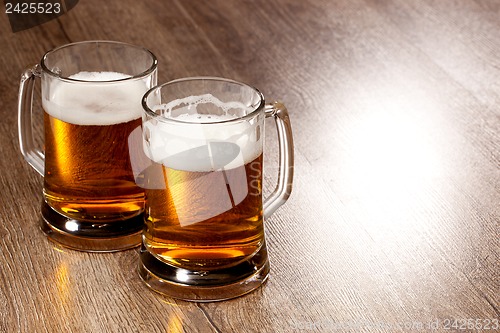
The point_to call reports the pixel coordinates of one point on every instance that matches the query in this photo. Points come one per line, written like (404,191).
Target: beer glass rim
(257,109)
(152,68)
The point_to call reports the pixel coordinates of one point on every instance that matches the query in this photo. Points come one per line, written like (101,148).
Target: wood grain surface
(393,223)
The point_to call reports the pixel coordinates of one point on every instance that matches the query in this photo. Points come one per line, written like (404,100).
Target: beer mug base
(204,286)
(91,236)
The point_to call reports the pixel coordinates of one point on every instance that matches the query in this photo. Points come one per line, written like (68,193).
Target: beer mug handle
(283,189)
(32,155)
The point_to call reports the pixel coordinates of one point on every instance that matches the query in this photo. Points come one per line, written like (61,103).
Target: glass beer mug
(91,97)
(204,235)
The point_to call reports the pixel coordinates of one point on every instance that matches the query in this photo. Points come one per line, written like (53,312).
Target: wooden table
(393,223)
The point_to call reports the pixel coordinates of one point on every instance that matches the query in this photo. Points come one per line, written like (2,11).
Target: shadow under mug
(204,233)
(91,97)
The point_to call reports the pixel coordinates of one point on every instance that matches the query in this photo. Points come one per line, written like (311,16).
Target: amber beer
(205,219)
(203,189)
(88,173)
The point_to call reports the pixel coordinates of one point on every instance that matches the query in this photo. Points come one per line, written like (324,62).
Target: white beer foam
(94,102)
(98,76)
(187,144)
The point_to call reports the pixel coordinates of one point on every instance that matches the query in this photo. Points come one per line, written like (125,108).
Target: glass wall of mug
(91,97)
(204,233)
